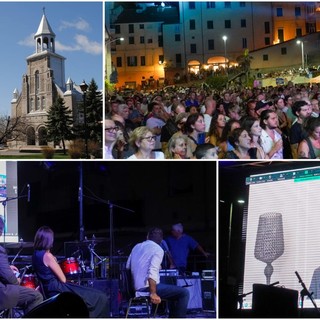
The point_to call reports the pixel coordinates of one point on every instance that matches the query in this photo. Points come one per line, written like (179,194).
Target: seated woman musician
(54,281)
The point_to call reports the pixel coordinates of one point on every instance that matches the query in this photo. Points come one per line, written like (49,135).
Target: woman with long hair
(309,148)
(53,280)
(217,124)
(252,126)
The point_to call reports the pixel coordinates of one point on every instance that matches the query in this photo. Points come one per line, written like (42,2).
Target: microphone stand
(240,299)
(306,293)
(183,275)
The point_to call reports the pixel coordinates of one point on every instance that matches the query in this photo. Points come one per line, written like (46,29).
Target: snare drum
(70,266)
(29,281)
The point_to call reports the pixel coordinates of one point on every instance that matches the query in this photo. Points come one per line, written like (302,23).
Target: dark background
(159,193)
(232,175)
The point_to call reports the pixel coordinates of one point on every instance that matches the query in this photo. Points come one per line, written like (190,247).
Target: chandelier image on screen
(269,244)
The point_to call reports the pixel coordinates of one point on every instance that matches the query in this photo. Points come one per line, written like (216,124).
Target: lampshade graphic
(269,242)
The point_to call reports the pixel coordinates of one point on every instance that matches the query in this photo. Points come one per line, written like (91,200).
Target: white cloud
(82,44)
(81,24)
(91,47)
(28,41)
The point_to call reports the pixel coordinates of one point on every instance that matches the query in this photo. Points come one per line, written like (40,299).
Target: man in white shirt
(271,139)
(211,106)
(145,263)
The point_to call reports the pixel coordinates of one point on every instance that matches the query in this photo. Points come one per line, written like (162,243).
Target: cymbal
(95,240)
(18,245)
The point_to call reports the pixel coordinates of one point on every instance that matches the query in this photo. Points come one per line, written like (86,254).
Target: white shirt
(145,262)
(157,155)
(207,120)
(267,143)
(108,152)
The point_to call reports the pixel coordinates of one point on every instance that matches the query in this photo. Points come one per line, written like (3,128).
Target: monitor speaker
(274,302)
(208,294)
(62,305)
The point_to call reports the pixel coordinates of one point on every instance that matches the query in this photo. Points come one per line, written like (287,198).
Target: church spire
(45,37)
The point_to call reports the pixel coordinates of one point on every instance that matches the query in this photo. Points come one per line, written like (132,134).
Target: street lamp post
(84,87)
(224,38)
(302,53)
(108,63)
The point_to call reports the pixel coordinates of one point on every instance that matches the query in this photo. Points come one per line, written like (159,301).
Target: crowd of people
(199,123)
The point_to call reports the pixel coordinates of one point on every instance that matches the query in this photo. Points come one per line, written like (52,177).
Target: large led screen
(283,232)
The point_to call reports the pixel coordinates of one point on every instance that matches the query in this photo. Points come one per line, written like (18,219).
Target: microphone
(298,276)
(28,186)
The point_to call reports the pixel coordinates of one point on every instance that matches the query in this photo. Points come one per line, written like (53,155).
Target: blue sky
(79,38)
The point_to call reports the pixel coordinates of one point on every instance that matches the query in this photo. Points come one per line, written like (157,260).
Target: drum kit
(76,269)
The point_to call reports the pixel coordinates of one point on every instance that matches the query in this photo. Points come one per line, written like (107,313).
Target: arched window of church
(31,137)
(43,104)
(38,45)
(31,104)
(37,81)
(45,43)
(42,134)
(38,105)
(52,45)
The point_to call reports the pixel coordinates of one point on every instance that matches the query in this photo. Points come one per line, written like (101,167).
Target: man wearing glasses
(110,137)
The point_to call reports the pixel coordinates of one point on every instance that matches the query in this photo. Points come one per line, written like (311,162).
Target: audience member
(309,147)
(241,142)
(206,151)
(143,141)
(271,139)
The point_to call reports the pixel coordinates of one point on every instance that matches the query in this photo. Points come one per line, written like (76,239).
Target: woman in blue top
(54,281)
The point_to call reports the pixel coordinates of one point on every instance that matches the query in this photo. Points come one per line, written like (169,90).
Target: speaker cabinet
(208,295)
(194,287)
(274,302)
(62,305)
(111,289)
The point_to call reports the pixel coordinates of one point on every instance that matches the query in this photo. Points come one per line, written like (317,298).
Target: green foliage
(59,123)
(109,87)
(94,111)
(217,82)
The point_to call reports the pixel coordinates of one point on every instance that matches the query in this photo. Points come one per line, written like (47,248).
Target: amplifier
(208,295)
(208,274)
(169,273)
(274,302)
(138,311)
(194,287)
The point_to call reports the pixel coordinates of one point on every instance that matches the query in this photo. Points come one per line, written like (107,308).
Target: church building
(42,84)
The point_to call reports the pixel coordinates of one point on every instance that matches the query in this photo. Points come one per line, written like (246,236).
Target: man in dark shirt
(301,109)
